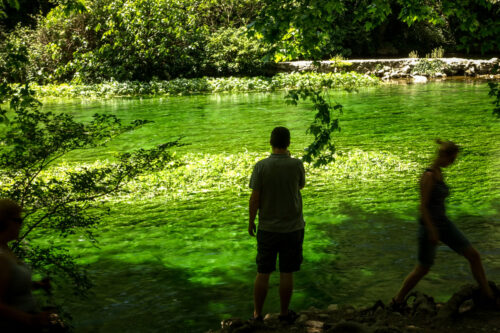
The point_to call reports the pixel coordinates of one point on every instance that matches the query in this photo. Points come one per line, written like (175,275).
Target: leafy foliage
(321,151)
(339,62)
(312,29)
(429,67)
(13,58)
(315,29)
(230,51)
(207,85)
(68,203)
(142,40)
(230,13)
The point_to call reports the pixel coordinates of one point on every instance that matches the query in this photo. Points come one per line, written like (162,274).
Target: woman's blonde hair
(447,148)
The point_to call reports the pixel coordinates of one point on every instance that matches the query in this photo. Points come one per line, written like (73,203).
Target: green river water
(174,254)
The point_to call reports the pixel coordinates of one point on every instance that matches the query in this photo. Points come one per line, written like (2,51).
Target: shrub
(339,62)
(438,52)
(230,51)
(429,67)
(413,54)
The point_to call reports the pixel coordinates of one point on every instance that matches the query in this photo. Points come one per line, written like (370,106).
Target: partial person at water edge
(18,308)
(276,182)
(435,227)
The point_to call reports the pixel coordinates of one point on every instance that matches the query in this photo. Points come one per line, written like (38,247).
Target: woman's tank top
(437,198)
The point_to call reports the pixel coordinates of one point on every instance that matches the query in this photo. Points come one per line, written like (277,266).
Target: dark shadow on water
(151,297)
(365,259)
(375,251)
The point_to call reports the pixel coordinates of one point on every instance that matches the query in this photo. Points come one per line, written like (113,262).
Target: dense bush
(14,49)
(230,51)
(206,85)
(141,40)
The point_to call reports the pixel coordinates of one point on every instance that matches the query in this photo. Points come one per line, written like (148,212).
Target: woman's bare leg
(476,266)
(411,281)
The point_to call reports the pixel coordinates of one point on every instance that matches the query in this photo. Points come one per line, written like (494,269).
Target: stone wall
(400,68)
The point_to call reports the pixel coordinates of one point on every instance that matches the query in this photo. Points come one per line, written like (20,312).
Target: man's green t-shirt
(279,179)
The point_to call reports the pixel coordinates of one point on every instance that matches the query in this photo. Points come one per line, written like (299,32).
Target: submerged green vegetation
(280,81)
(193,174)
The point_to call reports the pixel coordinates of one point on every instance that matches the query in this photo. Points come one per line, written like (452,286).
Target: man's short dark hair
(280,137)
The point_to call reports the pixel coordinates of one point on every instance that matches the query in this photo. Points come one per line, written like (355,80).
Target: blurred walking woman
(435,226)
(18,309)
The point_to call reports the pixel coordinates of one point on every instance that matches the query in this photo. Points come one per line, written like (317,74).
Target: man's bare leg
(286,290)
(261,286)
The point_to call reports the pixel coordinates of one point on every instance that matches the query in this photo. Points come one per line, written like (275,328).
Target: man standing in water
(276,183)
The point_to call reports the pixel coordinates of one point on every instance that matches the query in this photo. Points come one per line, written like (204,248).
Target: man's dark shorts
(448,234)
(288,245)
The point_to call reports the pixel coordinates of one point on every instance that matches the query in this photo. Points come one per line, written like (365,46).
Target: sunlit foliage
(141,40)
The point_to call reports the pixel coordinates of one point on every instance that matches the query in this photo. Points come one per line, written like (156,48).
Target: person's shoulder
(262,161)
(297,161)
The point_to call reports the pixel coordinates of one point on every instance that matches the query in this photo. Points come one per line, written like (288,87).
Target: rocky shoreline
(417,69)
(465,312)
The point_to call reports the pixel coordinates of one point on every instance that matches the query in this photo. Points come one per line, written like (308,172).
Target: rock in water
(419,79)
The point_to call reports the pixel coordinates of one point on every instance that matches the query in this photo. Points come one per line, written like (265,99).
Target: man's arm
(302,181)
(253,207)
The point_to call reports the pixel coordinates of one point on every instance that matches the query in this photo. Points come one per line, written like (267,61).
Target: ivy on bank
(110,89)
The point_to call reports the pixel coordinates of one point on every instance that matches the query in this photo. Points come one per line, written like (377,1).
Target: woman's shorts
(448,234)
(288,245)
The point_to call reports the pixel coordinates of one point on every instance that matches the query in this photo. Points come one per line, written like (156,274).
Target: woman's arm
(426,184)
(11,313)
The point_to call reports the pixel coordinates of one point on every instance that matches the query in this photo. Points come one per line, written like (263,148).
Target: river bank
(339,74)
(465,311)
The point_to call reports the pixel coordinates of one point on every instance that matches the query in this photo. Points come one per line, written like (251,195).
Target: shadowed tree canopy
(316,29)
(24,12)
